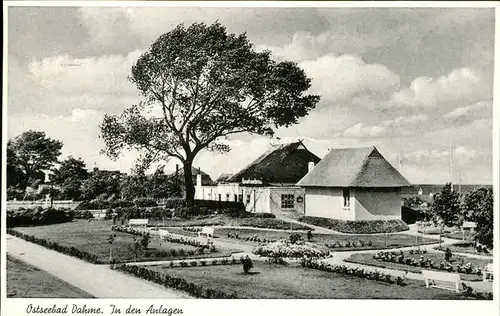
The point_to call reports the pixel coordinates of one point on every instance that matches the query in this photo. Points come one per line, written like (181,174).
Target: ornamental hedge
(38,216)
(72,251)
(286,249)
(357,227)
(177,283)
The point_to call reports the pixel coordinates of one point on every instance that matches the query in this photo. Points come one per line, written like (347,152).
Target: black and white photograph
(247,151)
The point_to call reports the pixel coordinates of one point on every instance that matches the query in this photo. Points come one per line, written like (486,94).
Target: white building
(267,185)
(353,184)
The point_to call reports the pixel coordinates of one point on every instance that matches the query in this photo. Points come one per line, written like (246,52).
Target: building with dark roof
(268,184)
(353,184)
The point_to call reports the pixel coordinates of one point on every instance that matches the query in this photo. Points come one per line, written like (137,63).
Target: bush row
(104,204)
(72,251)
(466,268)
(361,273)
(270,223)
(177,283)
(202,263)
(254,238)
(83,214)
(470,292)
(348,244)
(357,227)
(38,216)
(411,216)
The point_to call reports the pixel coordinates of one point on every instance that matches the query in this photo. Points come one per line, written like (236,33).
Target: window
(248,198)
(227,197)
(347,197)
(287,201)
(236,197)
(240,198)
(220,199)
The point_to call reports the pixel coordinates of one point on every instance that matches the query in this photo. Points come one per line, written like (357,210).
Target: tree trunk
(188,183)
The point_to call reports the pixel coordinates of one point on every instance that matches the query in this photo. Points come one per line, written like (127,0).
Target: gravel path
(97,280)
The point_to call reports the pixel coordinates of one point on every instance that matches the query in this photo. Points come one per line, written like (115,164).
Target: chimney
(310,166)
(198,180)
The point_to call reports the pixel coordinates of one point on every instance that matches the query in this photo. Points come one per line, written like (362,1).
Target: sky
(417,83)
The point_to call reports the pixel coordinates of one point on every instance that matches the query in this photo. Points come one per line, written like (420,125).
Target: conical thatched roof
(281,164)
(354,167)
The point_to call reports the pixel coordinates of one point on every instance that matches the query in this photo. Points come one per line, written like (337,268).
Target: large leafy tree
(446,206)
(200,85)
(29,154)
(478,207)
(102,184)
(70,176)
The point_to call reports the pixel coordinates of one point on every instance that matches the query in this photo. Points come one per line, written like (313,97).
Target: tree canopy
(478,207)
(200,85)
(28,155)
(70,176)
(447,206)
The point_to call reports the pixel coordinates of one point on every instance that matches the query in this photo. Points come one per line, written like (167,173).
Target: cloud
(79,132)
(59,83)
(386,127)
(469,113)
(461,84)
(342,77)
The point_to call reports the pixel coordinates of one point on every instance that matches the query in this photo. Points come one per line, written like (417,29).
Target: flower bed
(202,263)
(254,238)
(72,251)
(348,244)
(308,262)
(177,283)
(357,227)
(170,237)
(285,249)
(395,257)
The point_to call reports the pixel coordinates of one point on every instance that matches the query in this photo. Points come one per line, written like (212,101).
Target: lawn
(367,258)
(377,241)
(269,281)
(93,237)
(27,281)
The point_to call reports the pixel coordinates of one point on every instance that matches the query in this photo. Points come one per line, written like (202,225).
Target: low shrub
(72,251)
(270,223)
(411,216)
(177,283)
(93,205)
(145,202)
(38,216)
(82,214)
(357,227)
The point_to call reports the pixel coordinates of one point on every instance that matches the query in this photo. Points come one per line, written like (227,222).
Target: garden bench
(488,271)
(138,222)
(430,278)
(207,231)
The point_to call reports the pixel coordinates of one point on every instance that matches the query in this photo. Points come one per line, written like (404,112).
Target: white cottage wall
(376,203)
(328,203)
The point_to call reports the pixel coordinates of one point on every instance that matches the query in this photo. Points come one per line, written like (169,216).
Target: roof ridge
(363,164)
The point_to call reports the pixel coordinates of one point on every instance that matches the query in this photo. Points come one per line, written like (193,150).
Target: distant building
(267,185)
(353,184)
(205,178)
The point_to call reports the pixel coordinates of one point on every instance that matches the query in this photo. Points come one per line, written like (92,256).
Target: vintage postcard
(258,157)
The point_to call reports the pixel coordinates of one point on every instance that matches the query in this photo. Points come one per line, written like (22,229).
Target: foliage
(357,227)
(478,207)
(312,263)
(13,193)
(72,251)
(81,214)
(38,216)
(69,177)
(411,216)
(295,238)
(208,85)
(247,264)
(174,282)
(101,184)
(446,207)
(399,257)
(447,255)
(285,249)
(28,155)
